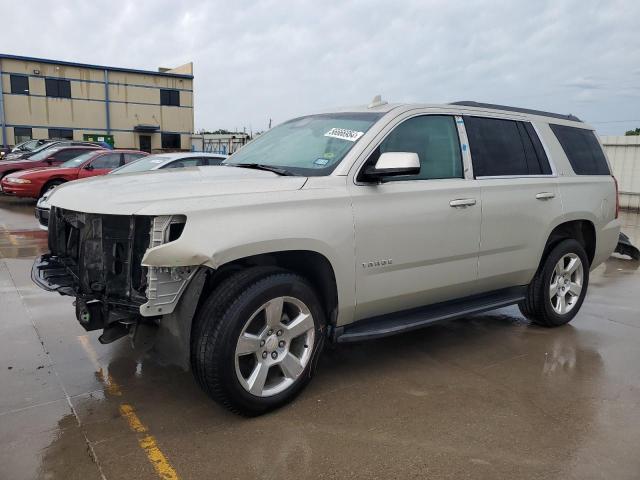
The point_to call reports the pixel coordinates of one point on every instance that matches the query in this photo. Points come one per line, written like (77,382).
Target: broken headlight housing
(165,284)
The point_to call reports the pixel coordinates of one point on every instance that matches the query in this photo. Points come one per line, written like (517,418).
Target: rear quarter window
(582,149)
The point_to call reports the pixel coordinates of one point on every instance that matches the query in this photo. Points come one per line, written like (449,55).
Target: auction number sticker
(344,134)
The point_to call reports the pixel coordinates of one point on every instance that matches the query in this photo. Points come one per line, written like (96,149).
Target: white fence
(624,155)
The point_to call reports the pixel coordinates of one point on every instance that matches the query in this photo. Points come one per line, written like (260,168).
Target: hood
(126,194)
(48,170)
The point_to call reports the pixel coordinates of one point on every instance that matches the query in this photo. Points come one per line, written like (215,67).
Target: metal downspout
(2,121)
(106,101)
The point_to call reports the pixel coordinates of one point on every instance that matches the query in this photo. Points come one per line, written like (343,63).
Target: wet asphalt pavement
(489,396)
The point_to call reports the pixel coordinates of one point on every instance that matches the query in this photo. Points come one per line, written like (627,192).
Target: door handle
(462,202)
(545,195)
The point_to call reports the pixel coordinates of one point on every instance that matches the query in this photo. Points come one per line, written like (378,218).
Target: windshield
(77,161)
(44,146)
(27,146)
(310,146)
(142,165)
(41,155)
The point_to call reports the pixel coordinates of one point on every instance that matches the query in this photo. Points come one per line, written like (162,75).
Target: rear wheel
(256,340)
(558,289)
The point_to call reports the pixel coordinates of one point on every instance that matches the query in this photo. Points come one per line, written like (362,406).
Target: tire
(226,368)
(49,185)
(548,310)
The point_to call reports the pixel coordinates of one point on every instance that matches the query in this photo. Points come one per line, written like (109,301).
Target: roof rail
(467,103)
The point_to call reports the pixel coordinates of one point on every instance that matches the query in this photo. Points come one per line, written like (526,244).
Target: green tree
(630,133)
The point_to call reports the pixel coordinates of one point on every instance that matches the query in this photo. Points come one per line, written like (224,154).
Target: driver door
(417,237)
(101,165)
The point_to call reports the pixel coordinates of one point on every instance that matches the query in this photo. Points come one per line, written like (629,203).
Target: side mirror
(88,167)
(393,164)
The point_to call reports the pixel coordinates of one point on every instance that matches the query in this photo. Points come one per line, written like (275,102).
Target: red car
(50,157)
(36,181)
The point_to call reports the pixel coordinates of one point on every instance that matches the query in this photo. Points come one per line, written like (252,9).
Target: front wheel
(558,289)
(256,340)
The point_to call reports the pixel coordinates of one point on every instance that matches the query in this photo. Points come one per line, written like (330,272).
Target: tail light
(617,196)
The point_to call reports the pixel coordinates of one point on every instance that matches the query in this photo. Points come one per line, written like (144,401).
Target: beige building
(146,110)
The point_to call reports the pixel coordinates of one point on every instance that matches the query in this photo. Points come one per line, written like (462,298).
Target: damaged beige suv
(338,227)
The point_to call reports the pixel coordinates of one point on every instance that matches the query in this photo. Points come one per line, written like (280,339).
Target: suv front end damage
(98,259)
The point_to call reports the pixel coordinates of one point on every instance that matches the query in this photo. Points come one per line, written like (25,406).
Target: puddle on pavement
(22,243)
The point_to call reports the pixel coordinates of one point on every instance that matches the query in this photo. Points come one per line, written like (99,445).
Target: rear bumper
(606,242)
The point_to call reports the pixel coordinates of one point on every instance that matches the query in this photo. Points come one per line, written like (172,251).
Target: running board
(407,320)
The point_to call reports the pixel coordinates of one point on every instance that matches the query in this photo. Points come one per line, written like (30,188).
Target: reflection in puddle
(22,243)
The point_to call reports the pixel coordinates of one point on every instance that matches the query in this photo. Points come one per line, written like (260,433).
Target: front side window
(170,97)
(582,149)
(19,84)
(434,138)
(79,160)
(57,88)
(170,140)
(21,134)
(108,161)
(312,145)
(68,154)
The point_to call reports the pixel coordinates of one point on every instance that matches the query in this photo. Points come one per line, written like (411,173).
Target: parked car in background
(51,157)
(36,181)
(151,162)
(47,144)
(172,160)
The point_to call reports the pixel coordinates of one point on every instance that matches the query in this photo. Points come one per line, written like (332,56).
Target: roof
(96,67)
(468,103)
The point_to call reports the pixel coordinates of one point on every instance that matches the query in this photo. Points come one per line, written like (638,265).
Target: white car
(148,163)
(336,227)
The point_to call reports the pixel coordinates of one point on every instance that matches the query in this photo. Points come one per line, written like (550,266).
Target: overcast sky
(256,60)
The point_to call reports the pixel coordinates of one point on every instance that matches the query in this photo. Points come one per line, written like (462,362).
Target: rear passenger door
(520,198)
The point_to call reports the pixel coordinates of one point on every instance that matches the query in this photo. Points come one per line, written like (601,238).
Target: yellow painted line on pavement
(149,445)
(147,441)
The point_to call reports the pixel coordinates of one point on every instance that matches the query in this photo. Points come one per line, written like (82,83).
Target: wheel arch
(49,181)
(582,230)
(315,267)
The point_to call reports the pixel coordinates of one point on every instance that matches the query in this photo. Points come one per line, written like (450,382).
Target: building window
(61,133)
(57,88)
(170,97)
(19,84)
(21,134)
(170,140)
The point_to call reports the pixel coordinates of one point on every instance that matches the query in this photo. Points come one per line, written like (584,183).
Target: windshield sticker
(321,162)
(156,161)
(344,134)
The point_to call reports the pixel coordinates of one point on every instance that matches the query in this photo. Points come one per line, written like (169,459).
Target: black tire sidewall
(234,319)
(565,247)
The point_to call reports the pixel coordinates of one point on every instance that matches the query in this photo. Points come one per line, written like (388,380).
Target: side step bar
(407,320)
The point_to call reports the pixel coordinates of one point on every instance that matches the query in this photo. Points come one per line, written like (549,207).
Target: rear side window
(505,147)
(582,149)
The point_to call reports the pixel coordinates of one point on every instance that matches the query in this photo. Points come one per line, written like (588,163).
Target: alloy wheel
(274,346)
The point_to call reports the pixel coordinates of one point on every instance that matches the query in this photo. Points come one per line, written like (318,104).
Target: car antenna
(377,101)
